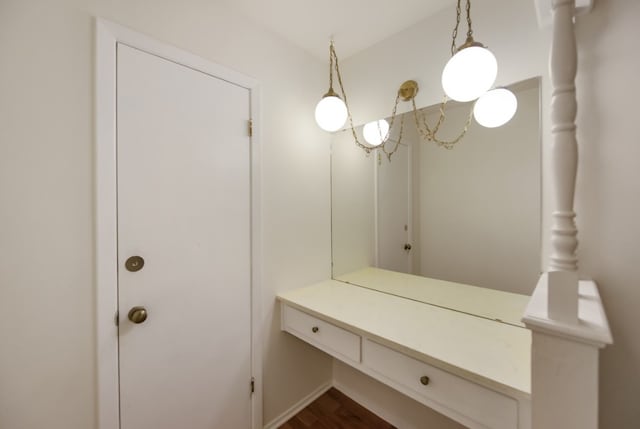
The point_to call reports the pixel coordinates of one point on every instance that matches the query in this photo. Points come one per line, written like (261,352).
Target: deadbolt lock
(134,263)
(138,314)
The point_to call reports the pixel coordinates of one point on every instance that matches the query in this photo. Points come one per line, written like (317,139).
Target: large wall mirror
(470,214)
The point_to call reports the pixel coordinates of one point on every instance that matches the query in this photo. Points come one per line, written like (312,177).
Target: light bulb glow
(469,73)
(495,108)
(331,113)
(376,132)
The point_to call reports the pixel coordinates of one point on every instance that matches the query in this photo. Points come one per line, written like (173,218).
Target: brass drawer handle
(424,380)
(315,329)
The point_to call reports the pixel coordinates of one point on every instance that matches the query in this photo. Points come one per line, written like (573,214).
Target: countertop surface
(492,304)
(494,354)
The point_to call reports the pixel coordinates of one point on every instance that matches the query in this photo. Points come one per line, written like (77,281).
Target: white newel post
(566,315)
(563,267)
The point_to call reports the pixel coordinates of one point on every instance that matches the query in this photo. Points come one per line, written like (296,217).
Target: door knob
(138,314)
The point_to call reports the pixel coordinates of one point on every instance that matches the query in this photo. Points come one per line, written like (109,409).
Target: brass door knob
(138,314)
(424,380)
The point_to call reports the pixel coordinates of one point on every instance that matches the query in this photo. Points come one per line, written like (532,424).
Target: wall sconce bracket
(408,90)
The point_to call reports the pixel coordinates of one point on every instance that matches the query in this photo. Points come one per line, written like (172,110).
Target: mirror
(469,215)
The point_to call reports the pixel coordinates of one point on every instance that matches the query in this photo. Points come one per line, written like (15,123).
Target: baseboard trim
(298,406)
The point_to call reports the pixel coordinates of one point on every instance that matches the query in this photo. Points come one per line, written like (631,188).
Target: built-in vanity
(484,356)
(471,368)
(401,223)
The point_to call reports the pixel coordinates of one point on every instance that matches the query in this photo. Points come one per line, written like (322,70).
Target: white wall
(608,182)
(47,357)
(607,193)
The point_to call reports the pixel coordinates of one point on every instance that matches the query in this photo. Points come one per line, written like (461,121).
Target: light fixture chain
(451,143)
(393,114)
(454,36)
(441,118)
(426,133)
(395,147)
(430,135)
(393,118)
(442,115)
(331,54)
(469,30)
(334,58)
(424,130)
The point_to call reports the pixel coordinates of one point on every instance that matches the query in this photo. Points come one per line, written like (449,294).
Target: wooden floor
(334,410)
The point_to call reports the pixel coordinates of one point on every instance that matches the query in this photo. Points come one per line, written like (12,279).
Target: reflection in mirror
(468,215)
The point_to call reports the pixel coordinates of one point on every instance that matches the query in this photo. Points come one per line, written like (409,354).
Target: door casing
(384,250)
(108,34)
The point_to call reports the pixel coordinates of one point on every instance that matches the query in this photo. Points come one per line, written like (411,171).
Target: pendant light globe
(331,113)
(376,132)
(495,108)
(469,73)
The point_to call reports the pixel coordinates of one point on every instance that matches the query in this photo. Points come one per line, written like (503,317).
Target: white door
(183,173)
(393,204)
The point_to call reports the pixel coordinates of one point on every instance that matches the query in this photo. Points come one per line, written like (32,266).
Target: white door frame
(108,35)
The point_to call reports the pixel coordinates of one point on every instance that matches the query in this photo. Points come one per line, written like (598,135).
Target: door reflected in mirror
(470,214)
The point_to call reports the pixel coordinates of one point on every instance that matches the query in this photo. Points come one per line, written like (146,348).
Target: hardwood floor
(334,410)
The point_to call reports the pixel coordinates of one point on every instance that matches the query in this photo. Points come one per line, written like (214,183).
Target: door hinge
(250,127)
(253,384)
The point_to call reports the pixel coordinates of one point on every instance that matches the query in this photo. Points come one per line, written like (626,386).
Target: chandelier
(469,75)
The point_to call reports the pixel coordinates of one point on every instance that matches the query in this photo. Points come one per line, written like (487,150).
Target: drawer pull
(424,380)
(315,329)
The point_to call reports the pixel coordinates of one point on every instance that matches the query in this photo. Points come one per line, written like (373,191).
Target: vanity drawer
(336,341)
(483,406)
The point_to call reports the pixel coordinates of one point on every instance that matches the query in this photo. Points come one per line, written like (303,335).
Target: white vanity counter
(479,370)
(492,304)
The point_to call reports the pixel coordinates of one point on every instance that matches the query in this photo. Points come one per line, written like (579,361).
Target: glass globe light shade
(495,108)
(469,73)
(376,132)
(331,113)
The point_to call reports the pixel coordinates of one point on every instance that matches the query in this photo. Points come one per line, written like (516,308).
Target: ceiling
(354,24)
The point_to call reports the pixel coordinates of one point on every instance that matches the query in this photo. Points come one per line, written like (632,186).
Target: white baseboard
(298,406)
